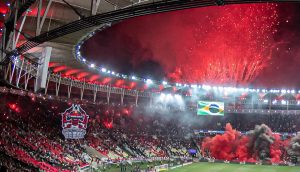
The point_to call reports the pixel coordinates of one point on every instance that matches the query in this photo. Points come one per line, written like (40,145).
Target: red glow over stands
(59,69)
(132,85)
(108,125)
(106,80)
(82,75)
(119,83)
(3,11)
(3,8)
(94,78)
(14,107)
(71,72)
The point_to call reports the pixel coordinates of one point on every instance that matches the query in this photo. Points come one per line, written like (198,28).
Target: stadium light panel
(103,70)
(149,81)
(164,83)
(133,77)
(92,65)
(84,60)
(162,97)
(206,87)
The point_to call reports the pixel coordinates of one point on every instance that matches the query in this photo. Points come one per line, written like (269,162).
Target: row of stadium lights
(111,72)
(283,102)
(165,83)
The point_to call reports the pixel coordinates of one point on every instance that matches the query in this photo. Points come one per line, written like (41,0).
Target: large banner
(74,122)
(210,108)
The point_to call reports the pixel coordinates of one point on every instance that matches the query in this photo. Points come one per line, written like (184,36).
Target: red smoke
(108,124)
(223,146)
(233,146)
(242,151)
(275,151)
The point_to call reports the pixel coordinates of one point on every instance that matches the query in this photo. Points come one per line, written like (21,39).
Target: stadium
(149,85)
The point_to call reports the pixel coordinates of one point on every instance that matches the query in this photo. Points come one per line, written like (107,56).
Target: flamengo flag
(210,108)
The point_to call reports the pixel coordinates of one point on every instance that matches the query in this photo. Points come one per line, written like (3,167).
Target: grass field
(220,167)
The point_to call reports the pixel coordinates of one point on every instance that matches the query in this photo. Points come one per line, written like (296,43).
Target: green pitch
(220,167)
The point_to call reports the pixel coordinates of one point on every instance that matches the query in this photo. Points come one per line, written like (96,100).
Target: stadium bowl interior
(149,85)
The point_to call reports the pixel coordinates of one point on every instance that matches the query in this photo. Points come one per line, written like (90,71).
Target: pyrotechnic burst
(230,45)
(219,45)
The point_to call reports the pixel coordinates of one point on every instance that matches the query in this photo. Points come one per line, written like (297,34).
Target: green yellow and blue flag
(210,108)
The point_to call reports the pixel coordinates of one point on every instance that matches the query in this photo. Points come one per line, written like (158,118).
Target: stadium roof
(62,12)
(43,16)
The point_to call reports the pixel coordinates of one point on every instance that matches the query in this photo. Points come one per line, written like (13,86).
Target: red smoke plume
(223,146)
(233,146)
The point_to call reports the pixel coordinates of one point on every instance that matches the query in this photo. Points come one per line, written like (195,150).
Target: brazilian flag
(210,108)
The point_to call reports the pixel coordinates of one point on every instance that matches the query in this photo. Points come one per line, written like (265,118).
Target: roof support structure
(17,10)
(74,9)
(20,30)
(40,22)
(108,94)
(94,6)
(95,93)
(122,96)
(70,89)
(57,86)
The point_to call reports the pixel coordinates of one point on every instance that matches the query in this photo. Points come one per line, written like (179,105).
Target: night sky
(237,45)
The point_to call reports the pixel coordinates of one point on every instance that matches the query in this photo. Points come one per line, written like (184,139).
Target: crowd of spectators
(31,136)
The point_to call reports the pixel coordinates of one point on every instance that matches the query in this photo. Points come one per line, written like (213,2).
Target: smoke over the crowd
(294,147)
(257,144)
(260,140)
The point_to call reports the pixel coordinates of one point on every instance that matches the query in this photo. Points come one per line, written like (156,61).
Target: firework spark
(218,45)
(231,45)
